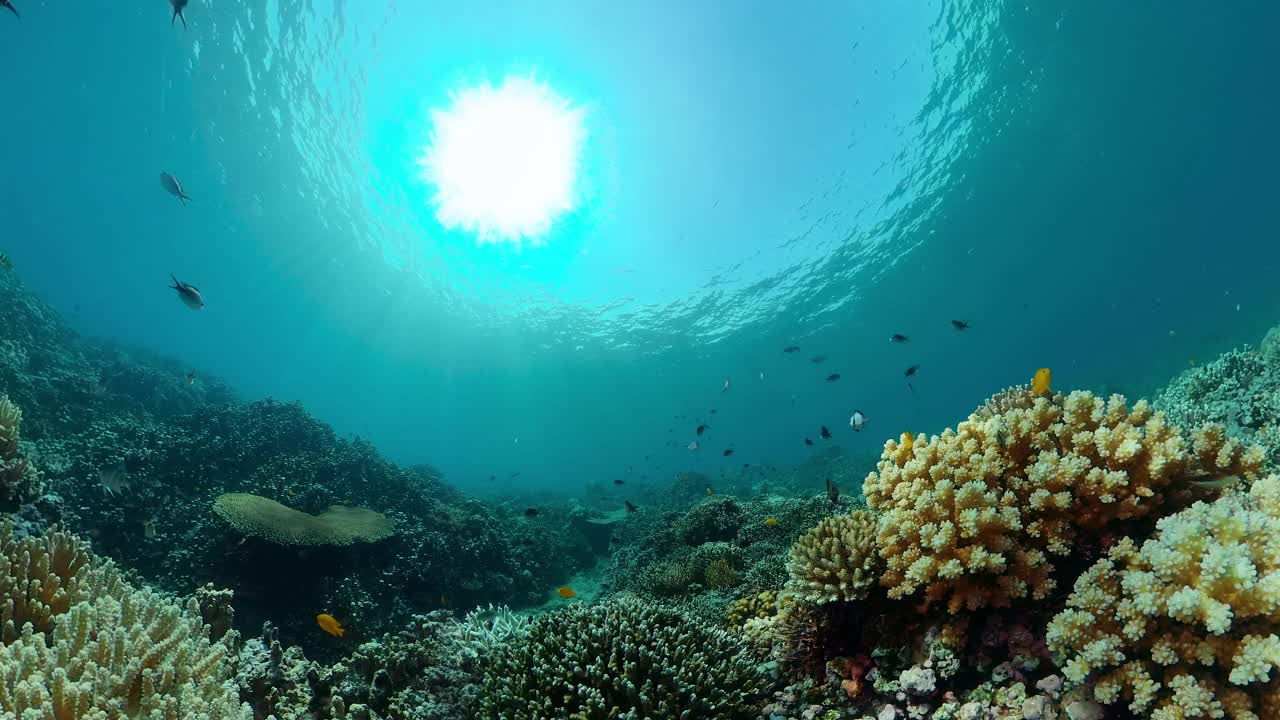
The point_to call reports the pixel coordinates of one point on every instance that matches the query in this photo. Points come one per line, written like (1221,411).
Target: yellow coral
(971,517)
(91,647)
(1185,625)
(751,607)
(835,560)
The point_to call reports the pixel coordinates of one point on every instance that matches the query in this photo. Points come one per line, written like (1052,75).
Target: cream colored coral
(835,560)
(19,480)
(10,417)
(91,647)
(971,517)
(1185,625)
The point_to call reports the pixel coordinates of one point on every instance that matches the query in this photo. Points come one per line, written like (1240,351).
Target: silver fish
(114,479)
(173,187)
(188,294)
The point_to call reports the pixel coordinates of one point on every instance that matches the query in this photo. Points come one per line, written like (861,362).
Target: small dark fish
(701,429)
(191,377)
(728,452)
(492,478)
(833,377)
(791,349)
(515,474)
(188,294)
(531,512)
(911,371)
(178,6)
(824,433)
(899,338)
(713,411)
(807,441)
(10,7)
(618,482)
(833,492)
(817,358)
(173,187)
(959,324)
(630,507)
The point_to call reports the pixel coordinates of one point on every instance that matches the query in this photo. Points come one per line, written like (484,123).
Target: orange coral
(971,517)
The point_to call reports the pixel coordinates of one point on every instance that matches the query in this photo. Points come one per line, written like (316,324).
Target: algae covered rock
(621,659)
(267,519)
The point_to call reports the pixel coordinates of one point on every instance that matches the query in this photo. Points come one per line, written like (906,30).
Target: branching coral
(622,659)
(1185,625)
(836,560)
(18,479)
(970,517)
(264,518)
(89,646)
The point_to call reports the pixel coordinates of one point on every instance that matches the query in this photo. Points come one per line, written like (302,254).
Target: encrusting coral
(1185,625)
(267,519)
(971,516)
(621,659)
(18,479)
(836,560)
(82,644)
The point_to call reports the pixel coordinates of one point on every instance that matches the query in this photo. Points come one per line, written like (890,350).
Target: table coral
(1184,626)
(971,517)
(835,560)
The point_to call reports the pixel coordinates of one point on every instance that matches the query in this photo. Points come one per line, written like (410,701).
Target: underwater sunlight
(503,161)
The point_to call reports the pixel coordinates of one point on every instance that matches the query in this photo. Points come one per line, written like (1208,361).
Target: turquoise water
(1091,186)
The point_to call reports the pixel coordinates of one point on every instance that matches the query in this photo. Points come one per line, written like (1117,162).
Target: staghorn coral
(621,659)
(19,481)
(267,519)
(971,517)
(835,560)
(1184,626)
(89,646)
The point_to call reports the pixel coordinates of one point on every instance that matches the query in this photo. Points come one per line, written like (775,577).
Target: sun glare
(504,161)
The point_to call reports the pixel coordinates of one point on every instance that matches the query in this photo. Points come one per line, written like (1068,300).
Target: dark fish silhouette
(178,6)
(618,481)
(807,441)
(701,429)
(188,294)
(728,452)
(791,349)
(908,373)
(824,433)
(172,186)
(630,508)
(817,358)
(833,492)
(899,338)
(10,7)
(833,377)
(959,324)
(531,512)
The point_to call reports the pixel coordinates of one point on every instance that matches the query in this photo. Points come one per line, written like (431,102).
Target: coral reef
(19,480)
(836,560)
(264,518)
(622,658)
(81,643)
(970,518)
(1184,625)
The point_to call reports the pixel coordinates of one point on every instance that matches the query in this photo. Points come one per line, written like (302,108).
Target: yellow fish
(330,624)
(710,492)
(567,592)
(908,441)
(771,521)
(1040,383)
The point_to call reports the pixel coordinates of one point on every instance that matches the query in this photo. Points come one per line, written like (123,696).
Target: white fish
(114,479)
(857,420)
(188,294)
(173,187)
(693,445)
(761,376)
(725,389)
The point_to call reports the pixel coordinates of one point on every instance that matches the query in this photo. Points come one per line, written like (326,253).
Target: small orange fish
(567,592)
(771,521)
(1040,383)
(908,441)
(330,624)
